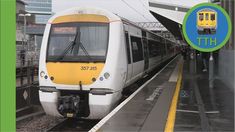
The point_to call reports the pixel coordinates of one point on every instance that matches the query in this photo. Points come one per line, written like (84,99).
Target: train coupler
(69,106)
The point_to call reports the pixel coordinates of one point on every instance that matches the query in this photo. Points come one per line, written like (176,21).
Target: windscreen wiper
(70,44)
(82,46)
(84,50)
(69,47)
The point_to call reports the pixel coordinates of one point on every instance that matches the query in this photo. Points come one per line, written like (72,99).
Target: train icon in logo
(206,21)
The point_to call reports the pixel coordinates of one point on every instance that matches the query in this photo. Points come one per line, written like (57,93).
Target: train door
(129,66)
(146,53)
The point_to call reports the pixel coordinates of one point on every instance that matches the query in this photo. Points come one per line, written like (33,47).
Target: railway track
(70,125)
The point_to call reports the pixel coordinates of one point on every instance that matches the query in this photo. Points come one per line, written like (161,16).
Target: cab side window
(128,48)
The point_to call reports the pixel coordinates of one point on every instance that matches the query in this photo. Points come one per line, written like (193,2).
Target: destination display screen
(64,30)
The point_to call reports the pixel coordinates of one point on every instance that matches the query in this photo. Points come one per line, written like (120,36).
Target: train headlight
(106,75)
(42,74)
(101,78)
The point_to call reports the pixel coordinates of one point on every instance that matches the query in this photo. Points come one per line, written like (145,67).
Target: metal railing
(157,26)
(27,74)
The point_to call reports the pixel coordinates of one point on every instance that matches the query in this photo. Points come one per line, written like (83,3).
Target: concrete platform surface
(148,109)
(201,108)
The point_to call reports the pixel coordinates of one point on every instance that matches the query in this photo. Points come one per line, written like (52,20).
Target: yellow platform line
(172,112)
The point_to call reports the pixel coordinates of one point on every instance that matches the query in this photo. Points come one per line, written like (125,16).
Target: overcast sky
(134,10)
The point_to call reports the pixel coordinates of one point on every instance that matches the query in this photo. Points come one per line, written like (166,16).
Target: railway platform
(148,107)
(201,108)
(177,98)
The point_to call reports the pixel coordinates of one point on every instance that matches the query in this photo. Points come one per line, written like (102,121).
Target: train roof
(134,24)
(94,10)
(207,10)
(86,10)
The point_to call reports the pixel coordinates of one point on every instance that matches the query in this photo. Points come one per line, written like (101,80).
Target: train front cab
(68,72)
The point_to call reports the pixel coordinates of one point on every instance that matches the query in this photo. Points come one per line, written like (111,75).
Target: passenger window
(207,16)
(128,48)
(154,48)
(134,46)
(163,47)
(201,16)
(212,17)
(137,50)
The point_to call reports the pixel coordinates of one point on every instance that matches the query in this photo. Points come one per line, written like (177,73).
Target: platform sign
(207,27)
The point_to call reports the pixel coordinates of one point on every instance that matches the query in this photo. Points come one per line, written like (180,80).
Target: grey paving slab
(156,119)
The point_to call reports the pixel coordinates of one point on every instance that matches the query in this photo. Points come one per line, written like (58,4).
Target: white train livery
(89,55)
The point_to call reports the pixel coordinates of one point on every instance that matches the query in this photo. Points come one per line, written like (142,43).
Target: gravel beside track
(37,124)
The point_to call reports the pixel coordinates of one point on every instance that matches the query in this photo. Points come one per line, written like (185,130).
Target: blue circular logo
(207,27)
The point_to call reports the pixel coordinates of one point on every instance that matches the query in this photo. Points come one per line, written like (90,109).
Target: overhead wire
(141,1)
(135,10)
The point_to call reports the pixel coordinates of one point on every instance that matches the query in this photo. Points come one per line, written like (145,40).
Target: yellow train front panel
(73,73)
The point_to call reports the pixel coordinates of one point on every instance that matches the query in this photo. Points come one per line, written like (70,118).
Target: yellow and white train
(206,21)
(88,55)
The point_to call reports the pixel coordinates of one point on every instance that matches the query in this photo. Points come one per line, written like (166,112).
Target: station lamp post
(25,22)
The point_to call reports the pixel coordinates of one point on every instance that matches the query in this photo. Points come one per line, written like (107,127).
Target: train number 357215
(88,68)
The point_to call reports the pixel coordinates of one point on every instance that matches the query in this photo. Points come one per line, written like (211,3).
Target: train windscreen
(77,42)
